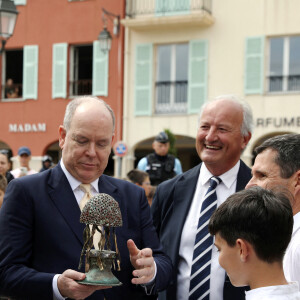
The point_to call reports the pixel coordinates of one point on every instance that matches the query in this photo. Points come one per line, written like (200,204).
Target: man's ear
(62,136)
(296,195)
(246,140)
(297,182)
(244,249)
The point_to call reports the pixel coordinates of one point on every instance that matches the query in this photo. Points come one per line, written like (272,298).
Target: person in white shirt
(278,163)
(252,230)
(24,156)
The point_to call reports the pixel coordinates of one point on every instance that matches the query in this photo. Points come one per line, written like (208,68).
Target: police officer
(160,165)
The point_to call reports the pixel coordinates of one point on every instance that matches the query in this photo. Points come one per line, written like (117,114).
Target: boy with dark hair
(252,230)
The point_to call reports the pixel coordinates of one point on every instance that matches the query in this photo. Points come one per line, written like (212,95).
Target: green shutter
(172,7)
(20,2)
(59,70)
(100,71)
(143,80)
(197,81)
(30,72)
(254,65)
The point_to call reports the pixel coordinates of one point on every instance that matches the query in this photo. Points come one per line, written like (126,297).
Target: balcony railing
(165,7)
(284,83)
(171,97)
(81,87)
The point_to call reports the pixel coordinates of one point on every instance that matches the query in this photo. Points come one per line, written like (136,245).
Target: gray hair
(248,124)
(287,147)
(72,106)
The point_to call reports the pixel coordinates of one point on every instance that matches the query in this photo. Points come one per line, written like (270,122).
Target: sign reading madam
(39,127)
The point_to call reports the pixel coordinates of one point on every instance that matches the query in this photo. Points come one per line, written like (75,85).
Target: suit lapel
(183,196)
(243,177)
(63,198)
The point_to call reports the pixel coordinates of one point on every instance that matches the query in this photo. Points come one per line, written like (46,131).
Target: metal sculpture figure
(101,213)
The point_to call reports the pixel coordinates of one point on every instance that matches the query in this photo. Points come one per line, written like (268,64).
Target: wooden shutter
(100,71)
(143,79)
(254,65)
(30,72)
(20,2)
(197,81)
(59,70)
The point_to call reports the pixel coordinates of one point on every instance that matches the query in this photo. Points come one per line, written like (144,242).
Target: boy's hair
(261,217)
(3,183)
(137,176)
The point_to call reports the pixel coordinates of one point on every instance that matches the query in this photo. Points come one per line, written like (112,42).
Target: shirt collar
(74,183)
(296,222)
(228,178)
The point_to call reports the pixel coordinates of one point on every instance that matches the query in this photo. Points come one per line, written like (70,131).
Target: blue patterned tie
(200,274)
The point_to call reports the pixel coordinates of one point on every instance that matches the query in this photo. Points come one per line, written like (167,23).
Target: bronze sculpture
(100,214)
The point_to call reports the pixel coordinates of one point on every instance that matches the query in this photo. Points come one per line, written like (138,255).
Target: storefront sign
(278,122)
(39,127)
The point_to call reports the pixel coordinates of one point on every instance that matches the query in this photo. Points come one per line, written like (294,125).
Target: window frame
(285,69)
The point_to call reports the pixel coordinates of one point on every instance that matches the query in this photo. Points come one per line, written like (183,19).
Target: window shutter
(20,2)
(59,70)
(197,82)
(143,80)
(30,72)
(254,65)
(100,71)
(172,7)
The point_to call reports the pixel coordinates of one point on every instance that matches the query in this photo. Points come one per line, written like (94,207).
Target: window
(284,68)
(172,78)
(21,67)
(13,77)
(81,70)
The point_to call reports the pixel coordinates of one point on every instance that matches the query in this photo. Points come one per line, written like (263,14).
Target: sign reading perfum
(39,127)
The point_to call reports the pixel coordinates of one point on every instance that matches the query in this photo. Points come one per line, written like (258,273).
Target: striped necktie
(200,273)
(86,197)
(86,188)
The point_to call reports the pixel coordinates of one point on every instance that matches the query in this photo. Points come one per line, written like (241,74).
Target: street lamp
(8,17)
(105,36)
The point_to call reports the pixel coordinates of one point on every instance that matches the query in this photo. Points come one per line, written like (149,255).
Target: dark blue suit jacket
(169,209)
(40,235)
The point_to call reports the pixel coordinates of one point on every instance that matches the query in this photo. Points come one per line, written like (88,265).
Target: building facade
(52,57)
(180,53)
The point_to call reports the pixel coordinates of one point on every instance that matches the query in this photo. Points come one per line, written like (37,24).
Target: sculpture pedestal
(99,273)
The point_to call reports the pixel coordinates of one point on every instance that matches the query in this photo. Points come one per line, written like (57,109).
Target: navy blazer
(40,236)
(169,210)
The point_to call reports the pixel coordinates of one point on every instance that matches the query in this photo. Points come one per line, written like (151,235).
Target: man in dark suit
(41,237)
(225,126)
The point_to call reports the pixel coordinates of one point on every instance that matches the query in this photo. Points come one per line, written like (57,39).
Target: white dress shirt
(226,188)
(291,260)
(275,292)
(78,193)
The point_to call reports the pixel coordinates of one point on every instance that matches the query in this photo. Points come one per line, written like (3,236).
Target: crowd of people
(217,231)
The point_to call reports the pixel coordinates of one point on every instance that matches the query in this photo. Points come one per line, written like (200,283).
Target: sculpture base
(100,274)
